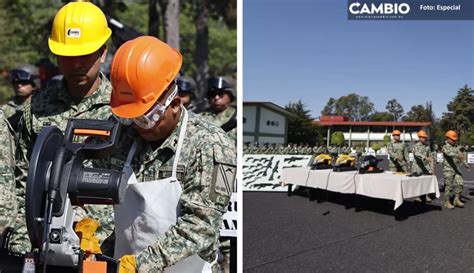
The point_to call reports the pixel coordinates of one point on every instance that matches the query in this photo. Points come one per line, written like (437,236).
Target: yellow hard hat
(396,133)
(79,28)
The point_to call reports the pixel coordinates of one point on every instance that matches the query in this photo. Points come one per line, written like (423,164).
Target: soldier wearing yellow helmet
(453,179)
(78,38)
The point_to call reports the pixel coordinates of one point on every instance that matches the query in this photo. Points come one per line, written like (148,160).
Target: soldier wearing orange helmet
(184,166)
(397,152)
(78,36)
(453,179)
(424,163)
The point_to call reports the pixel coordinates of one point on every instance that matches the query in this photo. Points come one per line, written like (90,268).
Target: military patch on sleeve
(223,177)
(222,184)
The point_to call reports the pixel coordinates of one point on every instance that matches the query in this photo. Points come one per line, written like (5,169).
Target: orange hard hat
(396,133)
(452,135)
(422,133)
(141,71)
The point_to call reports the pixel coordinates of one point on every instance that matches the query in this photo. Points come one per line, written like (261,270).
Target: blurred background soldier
(221,94)
(25,80)
(423,161)
(452,176)
(397,152)
(187,91)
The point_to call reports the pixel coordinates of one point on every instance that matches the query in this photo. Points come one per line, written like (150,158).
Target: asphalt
(293,234)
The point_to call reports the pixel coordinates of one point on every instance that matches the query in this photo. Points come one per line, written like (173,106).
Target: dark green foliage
(301,128)
(460,115)
(353,106)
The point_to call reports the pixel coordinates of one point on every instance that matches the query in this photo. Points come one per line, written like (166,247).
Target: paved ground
(293,234)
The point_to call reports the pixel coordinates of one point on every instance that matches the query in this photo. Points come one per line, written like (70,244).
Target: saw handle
(90,127)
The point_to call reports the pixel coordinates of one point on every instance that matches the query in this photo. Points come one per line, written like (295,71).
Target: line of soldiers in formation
(295,149)
(305,149)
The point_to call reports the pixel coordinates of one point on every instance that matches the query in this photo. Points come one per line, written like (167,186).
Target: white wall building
(265,122)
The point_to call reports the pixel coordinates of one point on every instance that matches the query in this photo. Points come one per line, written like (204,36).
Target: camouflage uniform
(206,193)
(453,179)
(11,107)
(422,155)
(397,152)
(221,118)
(8,203)
(54,106)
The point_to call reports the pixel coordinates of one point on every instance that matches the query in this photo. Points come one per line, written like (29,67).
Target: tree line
(459,117)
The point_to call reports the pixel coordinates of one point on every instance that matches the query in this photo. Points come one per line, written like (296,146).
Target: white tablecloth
(343,182)
(318,178)
(381,185)
(295,176)
(390,186)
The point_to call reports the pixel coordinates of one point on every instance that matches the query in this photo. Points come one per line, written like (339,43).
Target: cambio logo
(382,8)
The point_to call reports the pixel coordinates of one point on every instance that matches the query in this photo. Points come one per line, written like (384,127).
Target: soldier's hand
(128,264)
(461,156)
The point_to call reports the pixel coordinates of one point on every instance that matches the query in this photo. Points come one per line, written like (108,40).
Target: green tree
(330,107)
(353,106)
(381,116)
(395,109)
(301,128)
(386,140)
(420,113)
(337,139)
(460,115)
(376,147)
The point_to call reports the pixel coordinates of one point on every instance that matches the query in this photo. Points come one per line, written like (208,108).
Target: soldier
(246,148)
(25,80)
(424,163)
(397,153)
(255,148)
(78,36)
(187,91)
(8,202)
(452,176)
(185,160)
(221,93)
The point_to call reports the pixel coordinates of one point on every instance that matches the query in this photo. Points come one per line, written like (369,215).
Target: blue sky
(308,50)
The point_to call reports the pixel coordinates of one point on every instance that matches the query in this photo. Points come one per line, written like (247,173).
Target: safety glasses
(149,119)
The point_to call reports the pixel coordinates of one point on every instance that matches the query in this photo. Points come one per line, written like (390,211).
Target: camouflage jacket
(451,160)
(422,155)
(398,154)
(207,153)
(11,107)
(54,106)
(8,202)
(221,118)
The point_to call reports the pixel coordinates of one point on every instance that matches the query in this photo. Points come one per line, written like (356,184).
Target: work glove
(85,229)
(128,264)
